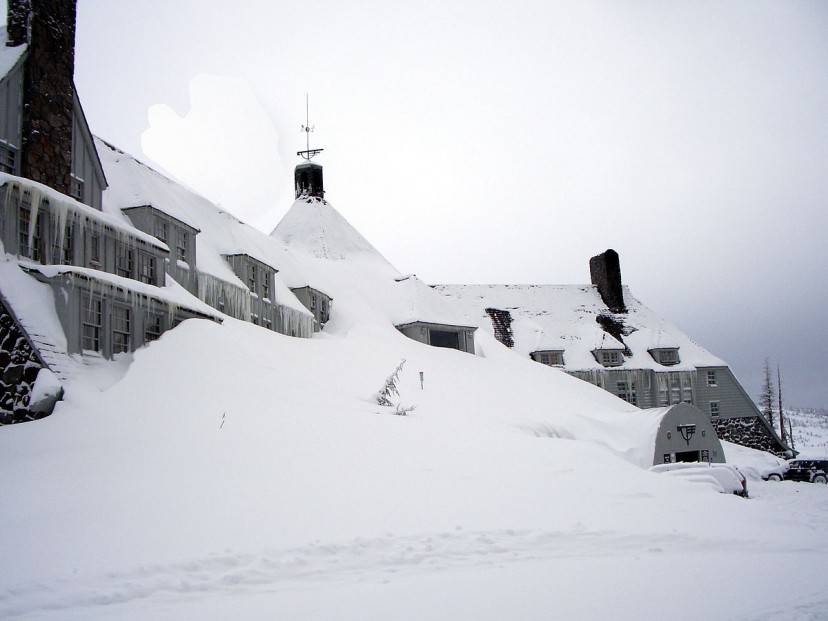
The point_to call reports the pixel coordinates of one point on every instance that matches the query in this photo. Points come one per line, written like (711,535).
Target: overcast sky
(508,142)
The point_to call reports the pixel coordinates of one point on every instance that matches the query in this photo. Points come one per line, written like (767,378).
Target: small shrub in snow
(389,394)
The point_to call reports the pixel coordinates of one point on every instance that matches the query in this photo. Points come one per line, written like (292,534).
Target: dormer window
(609,357)
(668,356)
(553,357)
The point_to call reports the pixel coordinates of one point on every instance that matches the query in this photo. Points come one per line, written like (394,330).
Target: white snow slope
(232,472)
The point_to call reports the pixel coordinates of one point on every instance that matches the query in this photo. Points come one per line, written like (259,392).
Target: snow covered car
(724,478)
(808,470)
(776,473)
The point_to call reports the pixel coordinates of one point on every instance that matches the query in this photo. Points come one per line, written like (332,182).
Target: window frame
(8,158)
(96,337)
(712,378)
(150,334)
(715,409)
(121,333)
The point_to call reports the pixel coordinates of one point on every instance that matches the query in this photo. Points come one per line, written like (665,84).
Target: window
(95,248)
(686,388)
(162,230)
(663,395)
(714,408)
(711,378)
(121,329)
(76,188)
(62,249)
(544,358)
(667,458)
(92,319)
(705,456)
(251,278)
(268,324)
(313,302)
(152,327)
(147,269)
(126,262)
(181,245)
(667,357)
(8,158)
(627,392)
(28,232)
(254,318)
(610,358)
(675,388)
(266,286)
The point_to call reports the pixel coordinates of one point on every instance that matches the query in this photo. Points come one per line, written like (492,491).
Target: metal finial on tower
(308,153)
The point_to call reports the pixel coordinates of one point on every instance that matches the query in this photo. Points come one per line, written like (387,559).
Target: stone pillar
(17,22)
(48,94)
(605,272)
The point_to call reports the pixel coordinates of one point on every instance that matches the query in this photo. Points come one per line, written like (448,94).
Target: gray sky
(509,142)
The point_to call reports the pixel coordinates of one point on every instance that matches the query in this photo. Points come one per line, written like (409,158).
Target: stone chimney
(48,89)
(605,272)
(17,22)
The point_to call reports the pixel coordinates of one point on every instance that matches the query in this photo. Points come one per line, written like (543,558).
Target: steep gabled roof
(566,317)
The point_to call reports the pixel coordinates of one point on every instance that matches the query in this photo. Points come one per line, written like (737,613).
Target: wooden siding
(85,162)
(11,110)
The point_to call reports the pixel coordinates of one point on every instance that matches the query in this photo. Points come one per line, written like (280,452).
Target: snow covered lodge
(601,334)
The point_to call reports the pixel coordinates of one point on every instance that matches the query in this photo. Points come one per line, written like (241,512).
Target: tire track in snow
(375,558)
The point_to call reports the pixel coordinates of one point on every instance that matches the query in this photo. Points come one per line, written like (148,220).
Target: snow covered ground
(810,429)
(231,472)
(227,471)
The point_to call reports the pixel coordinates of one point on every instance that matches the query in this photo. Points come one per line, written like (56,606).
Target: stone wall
(19,368)
(748,431)
(502,325)
(46,154)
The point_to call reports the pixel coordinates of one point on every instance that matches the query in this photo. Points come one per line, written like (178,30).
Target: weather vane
(308,153)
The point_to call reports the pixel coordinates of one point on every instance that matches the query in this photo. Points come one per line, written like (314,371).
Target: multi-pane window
(162,230)
(121,329)
(147,274)
(62,247)
(668,356)
(95,250)
(28,234)
(76,188)
(181,245)
(266,286)
(125,265)
(92,320)
(711,378)
(152,327)
(251,278)
(714,408)
(544,358)
(627,392)
(686,388)
(675,388)
(313,302)
(610,358)
(663,394)
(8,158)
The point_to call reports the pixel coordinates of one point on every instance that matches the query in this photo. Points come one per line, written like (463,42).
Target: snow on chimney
(48,89)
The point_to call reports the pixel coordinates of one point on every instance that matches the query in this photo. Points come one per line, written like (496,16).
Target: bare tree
(768,396)
(782,430)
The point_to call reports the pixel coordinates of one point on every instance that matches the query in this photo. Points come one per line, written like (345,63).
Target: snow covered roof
(324,247)
(59,201)
(565,317)
(133,183)
(171,294)
(9,55)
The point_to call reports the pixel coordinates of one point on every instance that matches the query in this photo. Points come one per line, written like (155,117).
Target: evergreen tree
(768,396)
